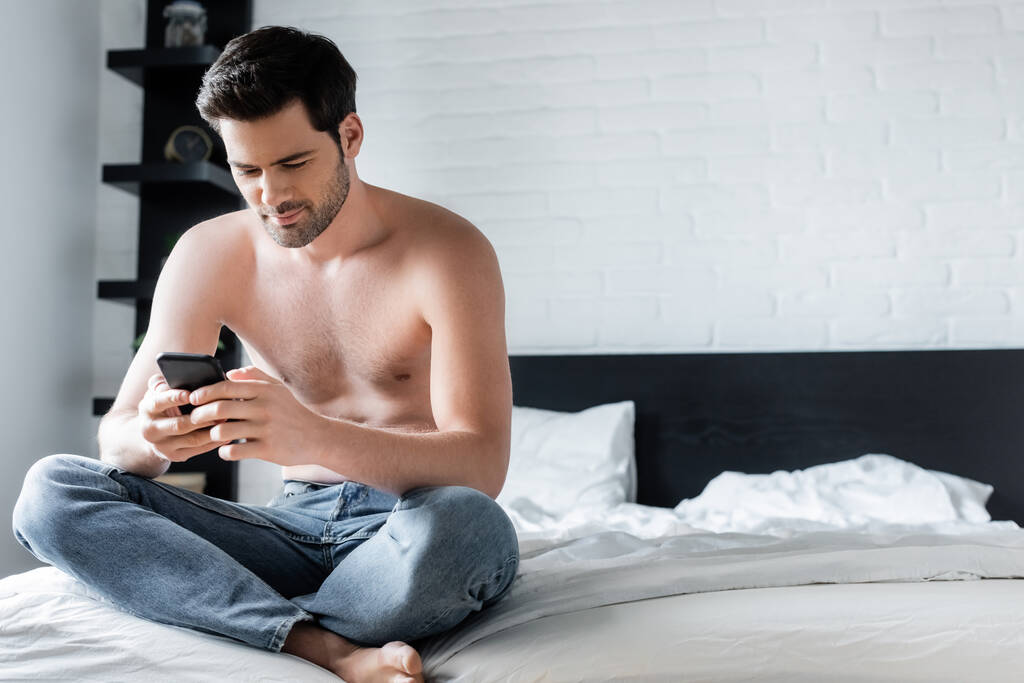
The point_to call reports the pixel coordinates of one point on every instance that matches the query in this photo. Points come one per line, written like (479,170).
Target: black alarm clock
(188,144)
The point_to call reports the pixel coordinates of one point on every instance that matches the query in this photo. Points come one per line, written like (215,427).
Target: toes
(412,662)
(403,657)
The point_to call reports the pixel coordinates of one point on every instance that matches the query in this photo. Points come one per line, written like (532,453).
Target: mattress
(54,628)
(632,592)
(574,586)
(849,605)
(932,631)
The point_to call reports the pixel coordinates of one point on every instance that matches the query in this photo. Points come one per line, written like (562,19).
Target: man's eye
(247,171)
(297,164)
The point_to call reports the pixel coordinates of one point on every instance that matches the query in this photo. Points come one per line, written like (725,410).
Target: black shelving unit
(126,291)
(174,196)
(200,176)
(100,406)
(135,65)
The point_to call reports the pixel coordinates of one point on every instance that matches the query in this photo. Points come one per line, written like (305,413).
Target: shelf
(173,196)
(131,177)
(100,406)
(125,291)
(134,64)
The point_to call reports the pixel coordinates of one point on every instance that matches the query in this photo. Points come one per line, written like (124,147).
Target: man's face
(292,175)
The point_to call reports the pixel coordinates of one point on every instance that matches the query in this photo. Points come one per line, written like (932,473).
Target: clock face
(191,146)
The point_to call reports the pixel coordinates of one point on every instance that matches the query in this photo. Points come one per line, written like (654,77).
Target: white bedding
(52,627)
(934,632)
(616,567)
(830,524)
(644,595)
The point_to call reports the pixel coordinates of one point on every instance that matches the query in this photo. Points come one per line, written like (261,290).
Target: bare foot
(394,663)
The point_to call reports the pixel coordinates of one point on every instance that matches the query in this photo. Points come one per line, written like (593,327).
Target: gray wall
(51,58)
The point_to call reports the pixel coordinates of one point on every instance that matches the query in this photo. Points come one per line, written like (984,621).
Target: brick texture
(699,175)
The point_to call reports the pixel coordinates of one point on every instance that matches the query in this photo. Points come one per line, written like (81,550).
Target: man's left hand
(263,411)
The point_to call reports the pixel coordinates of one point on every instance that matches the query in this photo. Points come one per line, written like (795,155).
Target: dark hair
(261,72)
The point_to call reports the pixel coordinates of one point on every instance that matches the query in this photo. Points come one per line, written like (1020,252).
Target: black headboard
(957,411)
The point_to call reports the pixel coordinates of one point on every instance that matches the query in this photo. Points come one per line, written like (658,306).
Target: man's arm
(462,300)
(183,318)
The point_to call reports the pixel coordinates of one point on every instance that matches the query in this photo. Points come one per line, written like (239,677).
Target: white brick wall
(690,175)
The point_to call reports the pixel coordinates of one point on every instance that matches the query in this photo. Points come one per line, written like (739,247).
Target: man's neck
(357,226)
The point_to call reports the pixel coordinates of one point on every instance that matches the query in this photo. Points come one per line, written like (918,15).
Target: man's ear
(350,130)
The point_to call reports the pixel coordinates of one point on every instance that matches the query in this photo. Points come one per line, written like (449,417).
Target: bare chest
(355,347)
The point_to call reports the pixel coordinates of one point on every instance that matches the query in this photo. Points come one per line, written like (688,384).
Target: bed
(705,517)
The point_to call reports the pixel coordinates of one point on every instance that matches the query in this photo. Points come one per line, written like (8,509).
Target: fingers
(160,399)
(175,437)
(240,451)
(171,435)
(231,431)
(227,389)
(224,412)
(183,454)
(164,429)
(170,398)
(168,426)
(218,411)
(251,372)
(170,443)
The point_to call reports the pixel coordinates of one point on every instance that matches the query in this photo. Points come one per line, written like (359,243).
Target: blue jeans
(367,565)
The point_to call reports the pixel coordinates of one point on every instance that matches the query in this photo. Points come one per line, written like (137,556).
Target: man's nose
(274,189)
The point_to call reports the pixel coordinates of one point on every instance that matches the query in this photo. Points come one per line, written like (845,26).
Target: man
(380,383)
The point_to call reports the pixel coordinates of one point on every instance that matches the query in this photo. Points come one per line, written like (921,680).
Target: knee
(465,515)
(456,552)
(45,494)
(471,532)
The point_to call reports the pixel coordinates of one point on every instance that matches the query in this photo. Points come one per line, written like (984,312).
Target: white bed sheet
(634,573)
(611,567)
(951,631)
(54,628)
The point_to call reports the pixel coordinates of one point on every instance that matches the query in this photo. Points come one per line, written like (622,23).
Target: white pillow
(561,462)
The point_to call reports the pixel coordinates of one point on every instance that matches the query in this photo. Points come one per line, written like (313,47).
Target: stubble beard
(317,218)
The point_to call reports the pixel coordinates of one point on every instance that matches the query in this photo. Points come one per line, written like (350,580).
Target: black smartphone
(189,371)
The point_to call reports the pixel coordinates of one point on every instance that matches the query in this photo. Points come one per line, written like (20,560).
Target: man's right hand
(171,435)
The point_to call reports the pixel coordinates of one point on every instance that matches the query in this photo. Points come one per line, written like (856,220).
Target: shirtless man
(380,383)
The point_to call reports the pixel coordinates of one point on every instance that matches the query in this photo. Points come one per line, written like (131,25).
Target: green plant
(170,240)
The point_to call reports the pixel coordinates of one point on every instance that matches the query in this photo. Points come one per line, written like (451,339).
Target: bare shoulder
(213,251)
(219,238)
(451,265)
(438,237)
(209,258)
